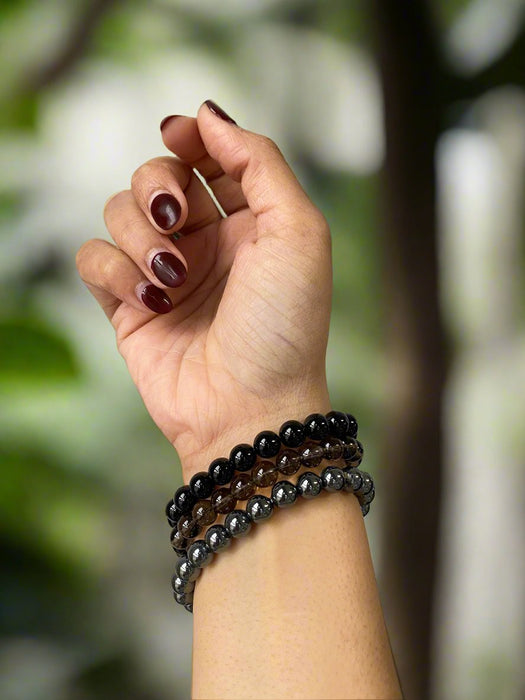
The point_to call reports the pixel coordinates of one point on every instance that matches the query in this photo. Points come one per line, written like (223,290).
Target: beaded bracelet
(259,509)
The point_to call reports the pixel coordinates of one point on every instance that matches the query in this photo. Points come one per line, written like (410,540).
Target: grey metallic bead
(186,570)
(179,585)
(189,607)
(259,508)
(367,484)
(180,597)
(353,479)
(368,497)
(309,485)
(365,509)
(217,538)
(284,494)
(200,554)
(333,478)
(238,523)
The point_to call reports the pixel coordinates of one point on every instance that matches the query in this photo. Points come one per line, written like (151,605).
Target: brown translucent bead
(333,448)
(352,452)
(242,487)
(311,455)
(178,541)
(222,501)
(204,513)
(187,526)
(264,473)
(288,462)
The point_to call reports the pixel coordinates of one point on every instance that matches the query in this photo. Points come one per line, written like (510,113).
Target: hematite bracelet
(259,508)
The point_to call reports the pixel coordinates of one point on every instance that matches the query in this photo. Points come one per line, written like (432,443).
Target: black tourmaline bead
(172,513)
(337,423)
(221,471)
(333,478)
(292,433)
(243,457)
(284,494)
(309,485)
(316,426)
(201,485)
(352,425)
(178,541)
(238,523)
(184,500)
(217,538)
(267,444)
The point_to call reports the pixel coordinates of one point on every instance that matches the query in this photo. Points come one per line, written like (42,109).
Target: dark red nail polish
(169,269)
(156,299)
(219,112)
(165,210)
(167,119)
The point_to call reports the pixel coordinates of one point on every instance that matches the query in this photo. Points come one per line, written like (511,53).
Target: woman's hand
(238,344)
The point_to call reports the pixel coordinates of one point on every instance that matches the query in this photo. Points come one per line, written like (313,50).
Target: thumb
(267,181)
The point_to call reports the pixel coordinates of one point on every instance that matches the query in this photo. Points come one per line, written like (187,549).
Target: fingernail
(165,210)
(169,269)
(218,111)
(167,119)
(156,299)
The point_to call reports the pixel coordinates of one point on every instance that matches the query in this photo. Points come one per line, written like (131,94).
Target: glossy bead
(218,538)
(187,526)
(353,479)
(350,447)
(238,523)
(179,597)
(333,478)
(184,500)
(267,444)
(311,455)
(316,426)
(367,484)
(199,554)
(243,457)
(242,487)
(338,423)
(259,508)
(352,425)
(221,471)
(288,462)
(284,494)
(189,607)
(201,485)
(204,513)
(179,585)
(367,498)
(186,571)
(178,541)
(264,473)
(309,485)
(172,513)
(332,448)
(365,509)
(222,501)
(292,433)
(360,448)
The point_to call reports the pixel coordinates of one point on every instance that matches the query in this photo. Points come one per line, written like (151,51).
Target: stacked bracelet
(297,445)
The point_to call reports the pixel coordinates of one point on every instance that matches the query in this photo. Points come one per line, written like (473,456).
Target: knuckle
(151,173)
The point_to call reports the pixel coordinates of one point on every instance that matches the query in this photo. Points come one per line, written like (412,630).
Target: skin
(244,350)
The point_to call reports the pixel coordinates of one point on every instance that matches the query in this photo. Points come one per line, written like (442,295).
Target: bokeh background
(405,121)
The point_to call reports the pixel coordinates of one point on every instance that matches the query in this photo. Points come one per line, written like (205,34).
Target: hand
(238,344)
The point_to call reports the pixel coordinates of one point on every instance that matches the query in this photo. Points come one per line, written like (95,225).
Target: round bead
(352,425)
(367,498)
(242,487)
(350,447)
(365,509)
(222,501)
(184,500)
(199,554)
(332,448)
(238,523)
(311,455)
(204,513)
(353,479)
(179,597)
(187,526)
(360,448)
(367,484)
(217,538)
(338,423)
(186,571)
(267,444)
(243,457)
(201,485)
(309,485)
(316,426)
(189,607)
(180,586)
(259,508)
(284,494)
(288,462)
(178,541)
(221,471)
(172,513)
(264,473)
(333,478)
(292,433)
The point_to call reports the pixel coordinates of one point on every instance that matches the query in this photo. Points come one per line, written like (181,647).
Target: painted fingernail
(167,119)
(169,269)
(156,299)
(165,210)
(219,112)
